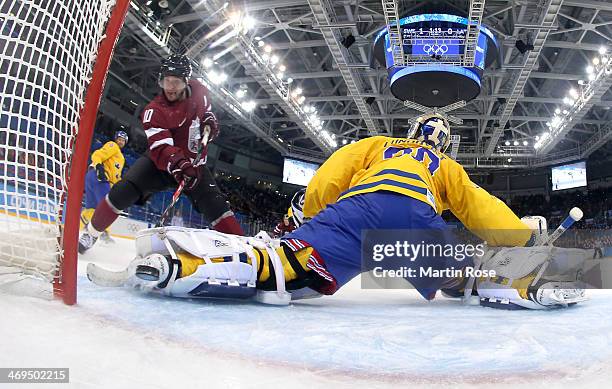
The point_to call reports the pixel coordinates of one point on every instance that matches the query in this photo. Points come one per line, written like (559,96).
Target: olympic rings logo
(435,49)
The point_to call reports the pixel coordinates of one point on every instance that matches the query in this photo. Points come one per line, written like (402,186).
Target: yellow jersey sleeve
(480,212)
(335,175)
(105,152)
(111,157)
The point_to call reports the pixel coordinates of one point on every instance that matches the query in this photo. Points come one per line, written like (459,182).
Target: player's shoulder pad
(111,144)
(374,139)
(155,111)
(197,88)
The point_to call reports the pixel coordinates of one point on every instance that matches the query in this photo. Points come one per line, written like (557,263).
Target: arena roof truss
(324,48)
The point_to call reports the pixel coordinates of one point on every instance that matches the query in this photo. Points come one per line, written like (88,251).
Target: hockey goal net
(54,56)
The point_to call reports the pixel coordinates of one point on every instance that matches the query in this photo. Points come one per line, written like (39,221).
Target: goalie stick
(575,215)
(104,277)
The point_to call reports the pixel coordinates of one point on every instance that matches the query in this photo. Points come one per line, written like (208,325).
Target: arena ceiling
(351,93)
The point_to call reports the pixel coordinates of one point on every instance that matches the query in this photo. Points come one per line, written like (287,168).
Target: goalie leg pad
(228,264)
(221,280)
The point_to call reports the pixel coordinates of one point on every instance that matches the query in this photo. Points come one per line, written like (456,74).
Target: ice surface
(118,338)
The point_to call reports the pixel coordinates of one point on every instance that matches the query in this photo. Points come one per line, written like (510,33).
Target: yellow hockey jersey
(112,158)
(413,169)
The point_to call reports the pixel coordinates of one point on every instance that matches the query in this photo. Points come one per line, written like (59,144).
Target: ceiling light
(344,141)
(596,61)
(282,68)
(248,23)
(234,17)
(240,93)
(289,80)
(507,143)
(602,50)
(261,43)
(525,143)
(558,111)
(249,105)
(207,62)
(516,143)
(590,69)
(268,49)
(573,92)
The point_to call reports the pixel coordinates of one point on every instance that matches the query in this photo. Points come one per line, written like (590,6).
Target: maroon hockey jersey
(281,229)
(173,127)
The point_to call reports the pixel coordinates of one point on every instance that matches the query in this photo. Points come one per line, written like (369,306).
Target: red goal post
(54,55)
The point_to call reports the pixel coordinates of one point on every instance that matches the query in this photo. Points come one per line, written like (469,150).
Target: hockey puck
(147,273)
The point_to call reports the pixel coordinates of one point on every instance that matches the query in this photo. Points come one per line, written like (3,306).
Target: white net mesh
(47,53)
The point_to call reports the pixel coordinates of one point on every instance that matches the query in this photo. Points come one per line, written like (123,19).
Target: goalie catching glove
(531,277)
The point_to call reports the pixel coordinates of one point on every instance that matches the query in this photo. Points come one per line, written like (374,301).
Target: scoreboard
(434,45)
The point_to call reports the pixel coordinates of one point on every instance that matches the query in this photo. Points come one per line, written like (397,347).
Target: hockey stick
(179,190)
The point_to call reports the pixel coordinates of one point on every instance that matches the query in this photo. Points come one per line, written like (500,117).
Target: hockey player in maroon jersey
(285,226)
(173,122)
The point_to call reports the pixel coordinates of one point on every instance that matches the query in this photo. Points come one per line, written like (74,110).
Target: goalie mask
(297,207)
(432,129)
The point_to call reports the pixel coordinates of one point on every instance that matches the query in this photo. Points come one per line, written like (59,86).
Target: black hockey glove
(100,173)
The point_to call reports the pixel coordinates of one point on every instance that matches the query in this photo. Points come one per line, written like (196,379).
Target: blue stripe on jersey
(399,173)
(413,188)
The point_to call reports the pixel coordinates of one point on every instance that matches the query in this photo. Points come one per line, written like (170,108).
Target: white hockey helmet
(432,129)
